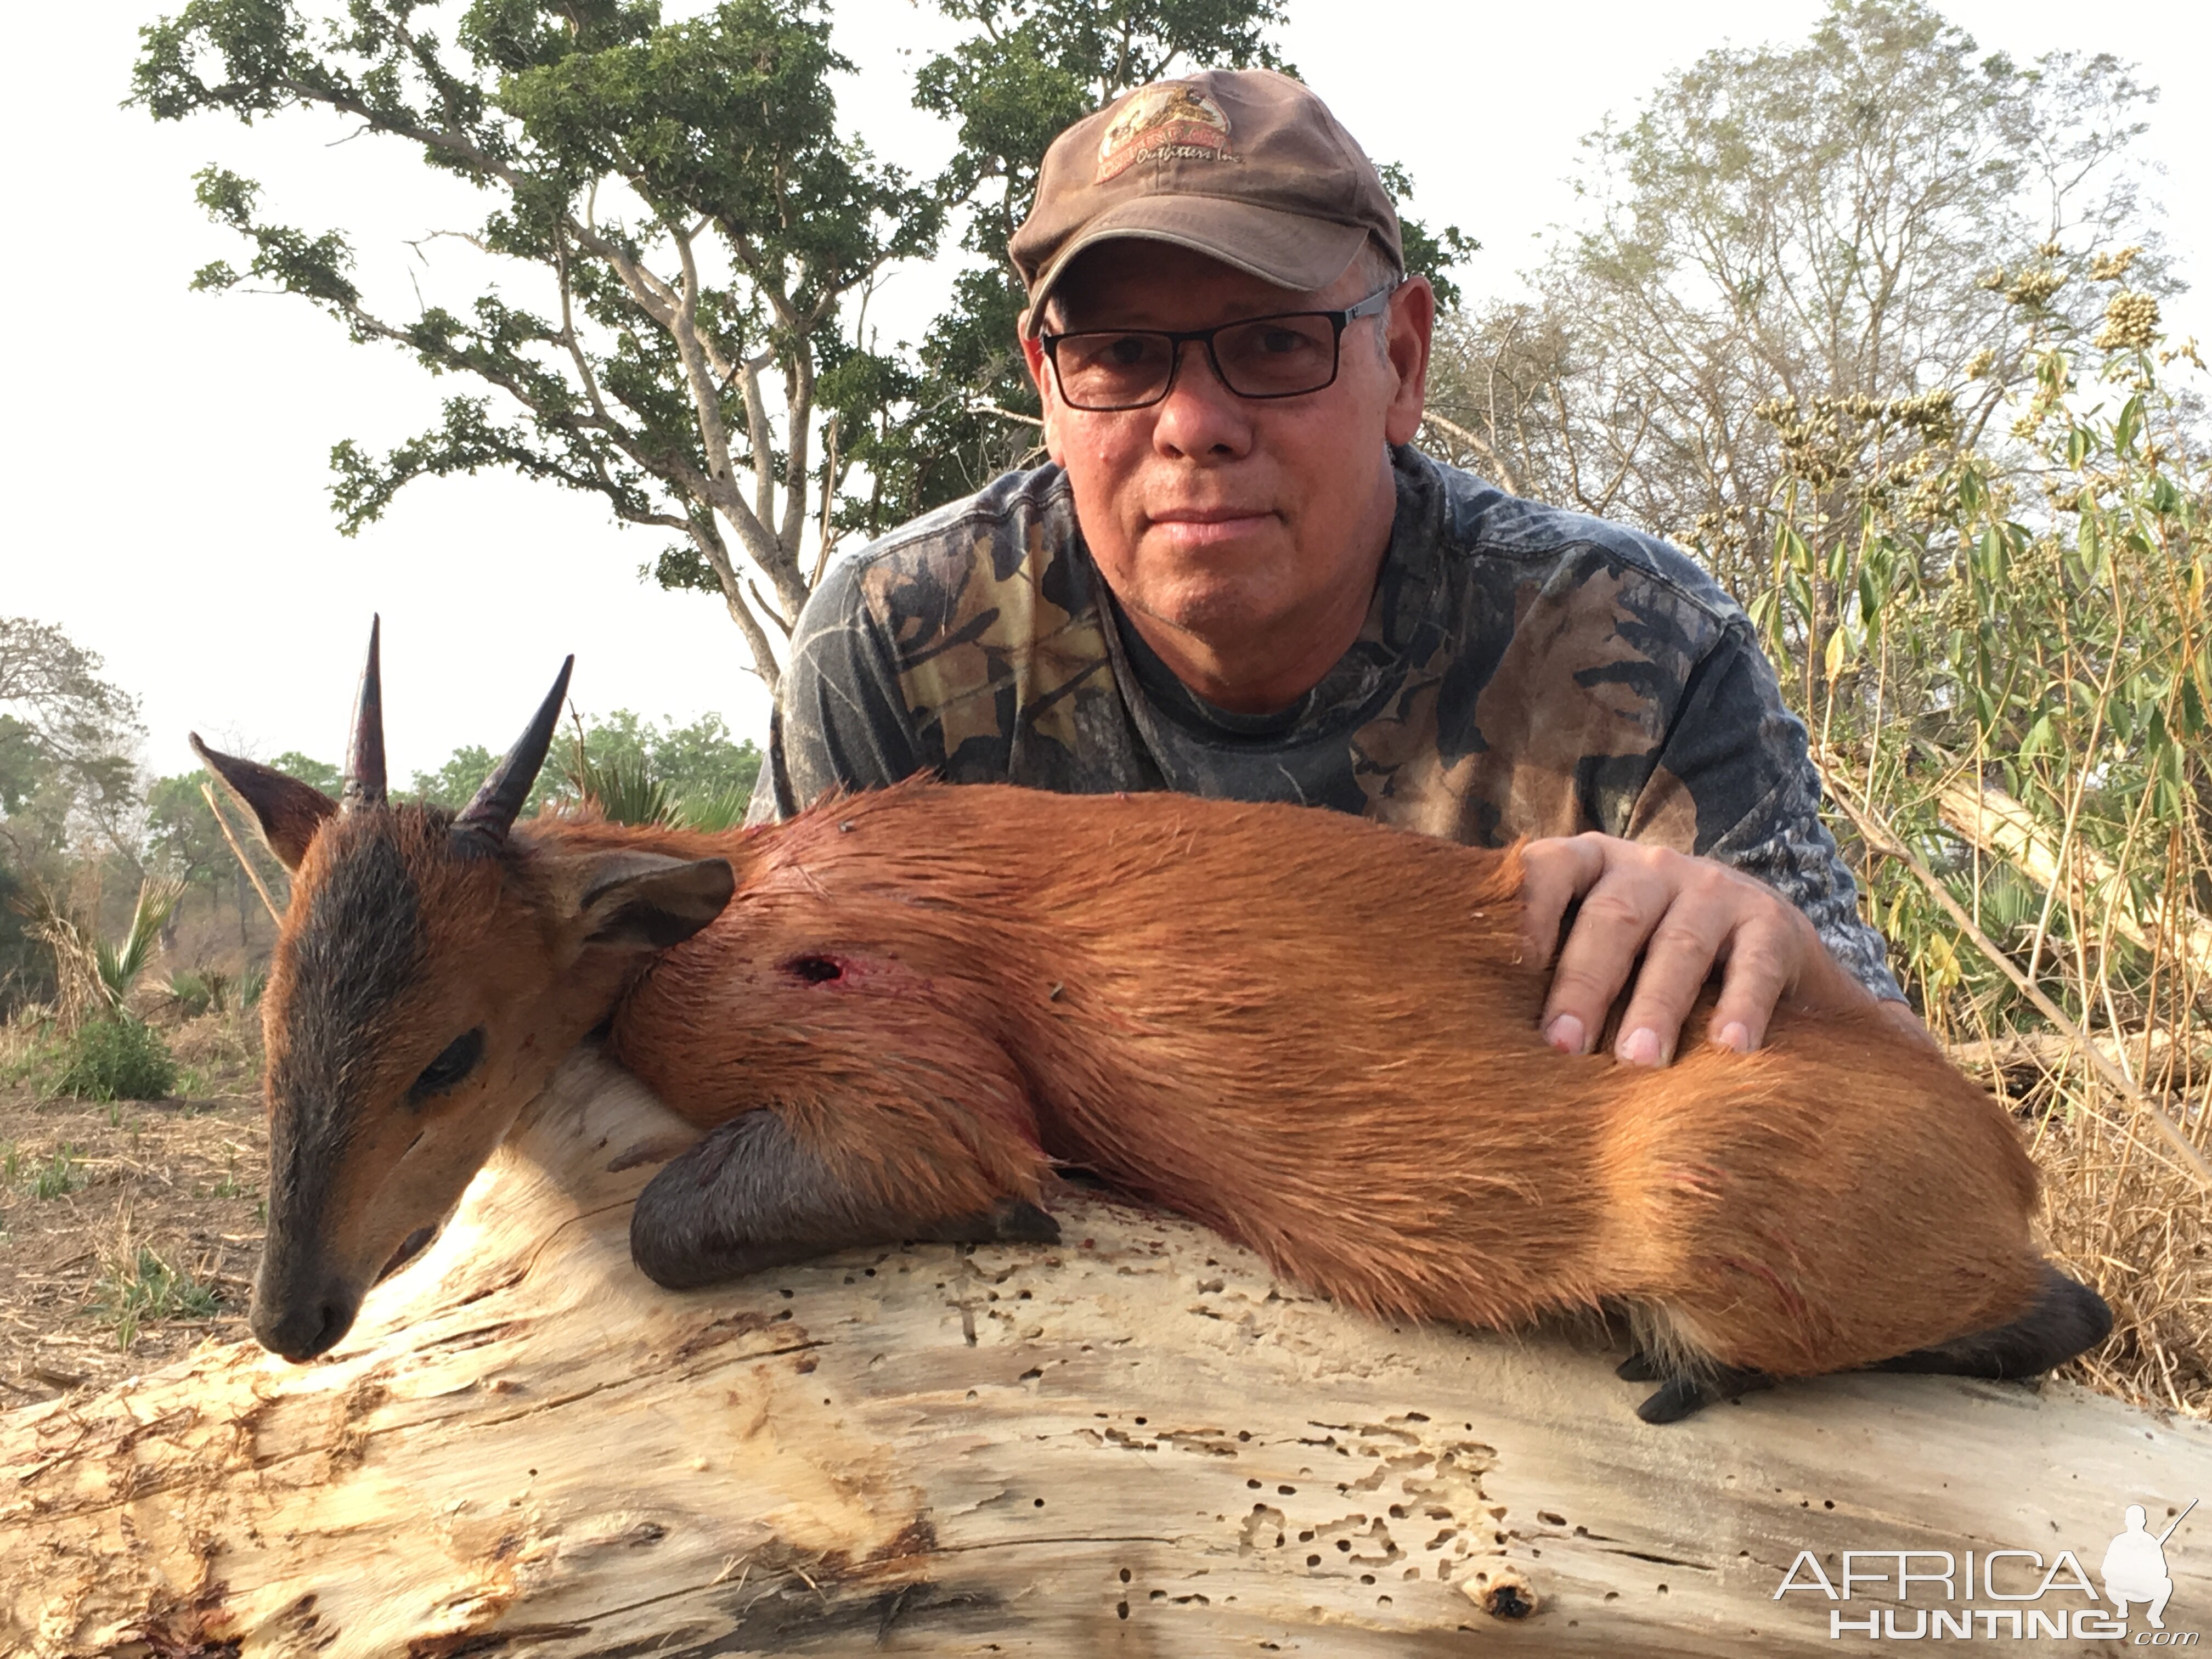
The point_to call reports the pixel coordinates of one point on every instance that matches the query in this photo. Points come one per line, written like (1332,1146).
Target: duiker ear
(287,811)
(650,899)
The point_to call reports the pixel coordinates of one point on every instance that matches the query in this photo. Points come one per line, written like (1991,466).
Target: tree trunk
(1136,1442)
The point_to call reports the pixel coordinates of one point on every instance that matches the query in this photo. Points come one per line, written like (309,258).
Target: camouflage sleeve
(840,721)
(1741,754)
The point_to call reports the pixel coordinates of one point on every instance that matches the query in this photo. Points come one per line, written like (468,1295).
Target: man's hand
(1688,916)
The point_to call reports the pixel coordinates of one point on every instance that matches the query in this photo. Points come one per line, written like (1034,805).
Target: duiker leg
(1690,1378)
(2068,1318)
(753,1194)
(1688,1392)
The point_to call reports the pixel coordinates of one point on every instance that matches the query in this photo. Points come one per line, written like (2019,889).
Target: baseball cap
(1245,166)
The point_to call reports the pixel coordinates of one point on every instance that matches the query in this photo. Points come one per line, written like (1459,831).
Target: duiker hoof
(1685,1395)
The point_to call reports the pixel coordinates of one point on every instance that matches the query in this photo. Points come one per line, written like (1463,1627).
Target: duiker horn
(485,820)
(364,770)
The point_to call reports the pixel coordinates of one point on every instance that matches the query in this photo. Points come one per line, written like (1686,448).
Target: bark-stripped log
(1137,1443)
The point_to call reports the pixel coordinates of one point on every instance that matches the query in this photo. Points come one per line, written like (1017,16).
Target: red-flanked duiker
(898,1014)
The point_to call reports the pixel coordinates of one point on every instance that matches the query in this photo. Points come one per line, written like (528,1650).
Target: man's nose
(1199,415)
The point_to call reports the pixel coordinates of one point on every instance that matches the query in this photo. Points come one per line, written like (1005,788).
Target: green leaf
(1838,562)
(1870,594)
(1989,557)
(1790,552)
(1800,593)
(1766,613)
(2130,423)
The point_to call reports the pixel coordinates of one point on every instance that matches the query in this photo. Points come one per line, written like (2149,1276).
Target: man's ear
(287,811)
(1041,377)
(649,900)
(1412,321)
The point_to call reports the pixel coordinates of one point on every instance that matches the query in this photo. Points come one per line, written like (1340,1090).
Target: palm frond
(622,788)
(711,814)
(119,965)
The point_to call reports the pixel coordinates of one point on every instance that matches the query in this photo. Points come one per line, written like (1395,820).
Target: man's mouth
(1196,527)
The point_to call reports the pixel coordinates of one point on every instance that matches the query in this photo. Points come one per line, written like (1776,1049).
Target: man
(2135,1568)
(1236,579)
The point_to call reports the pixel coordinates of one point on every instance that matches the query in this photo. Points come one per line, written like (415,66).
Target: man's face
(1248,525)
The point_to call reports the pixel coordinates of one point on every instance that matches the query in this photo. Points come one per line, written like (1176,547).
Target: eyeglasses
(1284,356)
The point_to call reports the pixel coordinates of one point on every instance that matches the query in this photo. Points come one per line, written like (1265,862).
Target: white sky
(165,456)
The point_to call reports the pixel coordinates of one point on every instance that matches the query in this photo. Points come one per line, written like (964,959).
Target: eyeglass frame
(1374,305)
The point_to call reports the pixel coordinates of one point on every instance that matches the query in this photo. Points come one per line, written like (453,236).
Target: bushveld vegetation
(1871,324)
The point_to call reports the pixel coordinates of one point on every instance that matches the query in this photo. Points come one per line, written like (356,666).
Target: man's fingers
(1617,915)
(1554,873)
(1676,963)
(1754,978)
(1683,917)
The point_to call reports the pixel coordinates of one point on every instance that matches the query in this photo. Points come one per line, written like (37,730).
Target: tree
(688,768)
(1794,234)
(681,189)
(326,777)
(681,240)
(181,831)
(67,735)
(966,410)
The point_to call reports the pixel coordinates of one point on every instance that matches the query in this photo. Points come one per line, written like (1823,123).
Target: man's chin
(1212,613)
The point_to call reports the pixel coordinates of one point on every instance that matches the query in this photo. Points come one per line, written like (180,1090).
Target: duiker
(898,1014)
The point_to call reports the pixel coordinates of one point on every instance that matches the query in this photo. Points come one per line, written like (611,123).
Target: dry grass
(2121,1212)
(148,1248)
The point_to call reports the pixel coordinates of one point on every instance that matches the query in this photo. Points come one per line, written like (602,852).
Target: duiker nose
(300,1327)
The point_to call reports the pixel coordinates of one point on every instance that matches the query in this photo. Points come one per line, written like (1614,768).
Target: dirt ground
(87,1187)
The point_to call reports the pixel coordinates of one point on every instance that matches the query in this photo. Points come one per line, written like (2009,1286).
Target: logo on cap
(1171,121)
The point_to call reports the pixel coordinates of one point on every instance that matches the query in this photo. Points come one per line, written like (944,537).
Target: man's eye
(1283,341)
(454,1062)
(1118,351)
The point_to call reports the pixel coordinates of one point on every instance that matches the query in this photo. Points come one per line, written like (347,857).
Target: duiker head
(432,969)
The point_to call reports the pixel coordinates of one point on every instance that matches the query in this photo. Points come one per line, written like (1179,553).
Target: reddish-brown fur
(1315,1035)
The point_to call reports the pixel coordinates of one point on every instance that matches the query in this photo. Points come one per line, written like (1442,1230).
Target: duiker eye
(457,1059)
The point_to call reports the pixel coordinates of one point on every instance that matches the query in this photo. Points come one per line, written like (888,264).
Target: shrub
(139,1287)
(198,991)
(117,1058)
(194,993)
(56,1176)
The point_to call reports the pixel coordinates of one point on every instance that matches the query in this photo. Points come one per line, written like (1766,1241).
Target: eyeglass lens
(1266,357)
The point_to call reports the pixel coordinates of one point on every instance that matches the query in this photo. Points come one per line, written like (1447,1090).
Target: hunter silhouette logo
(1170,120)
(2000,1594)
(2135,1567)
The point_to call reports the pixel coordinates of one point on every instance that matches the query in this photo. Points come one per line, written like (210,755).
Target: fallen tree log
(2161,1057)
(1136,1442)
(1998,824)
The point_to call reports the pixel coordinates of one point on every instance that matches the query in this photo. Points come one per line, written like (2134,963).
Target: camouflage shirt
(1522,672)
